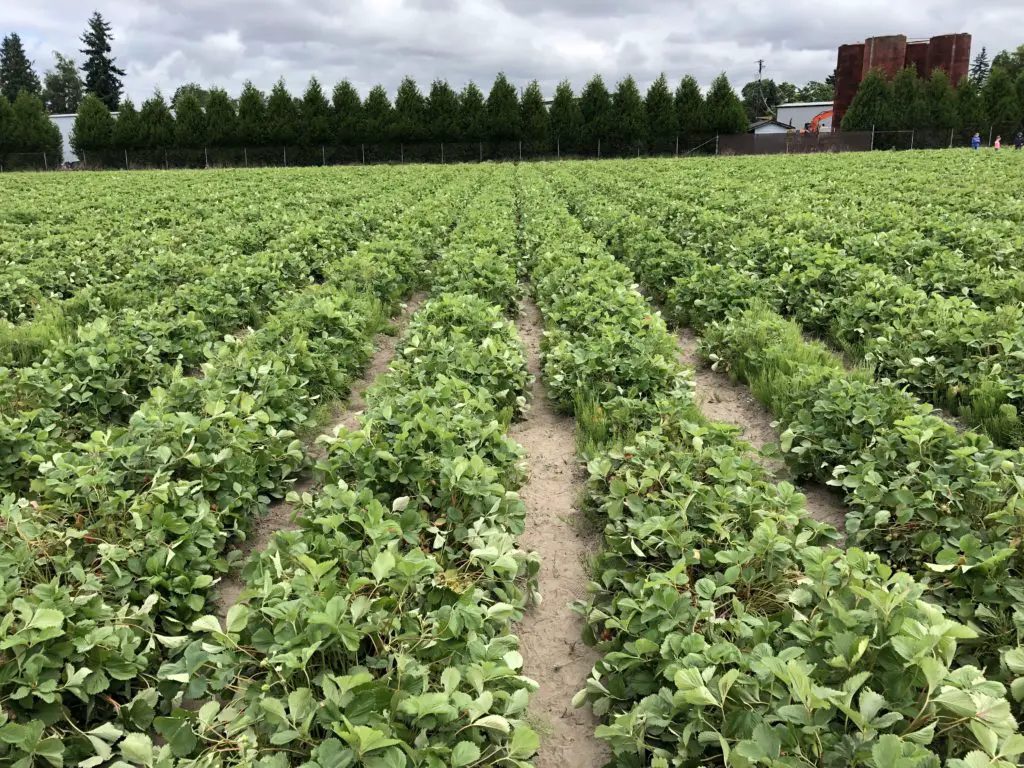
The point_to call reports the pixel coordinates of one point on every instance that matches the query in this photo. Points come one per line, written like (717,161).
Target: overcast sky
(163,43)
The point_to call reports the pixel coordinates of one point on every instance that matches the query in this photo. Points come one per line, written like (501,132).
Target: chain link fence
(791,142)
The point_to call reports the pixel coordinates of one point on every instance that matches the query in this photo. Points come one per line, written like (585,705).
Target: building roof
(806,104)
(769,121)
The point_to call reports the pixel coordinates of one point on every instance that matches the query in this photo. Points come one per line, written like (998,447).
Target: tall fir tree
(596,107)
(970,109)
(16,73)
(872,107)
(379,116)
(282,116)
(503,111)
(63,89)
(94,127)
(442,112)
(252,116)
(156,122)
(127,127)
(189,122)
(661,112)
(315,115)
(566,119)
(980,68)
(1002,107)
(629,120)
(102,76)
(534,116)
(690,108)
(724,109)
(940,101)
(910,111)
(221,119)
(33,129)
(347,108)
(472,113)
(410,109)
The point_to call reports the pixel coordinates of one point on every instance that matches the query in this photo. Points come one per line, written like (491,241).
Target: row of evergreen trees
(213,119)
(908,102)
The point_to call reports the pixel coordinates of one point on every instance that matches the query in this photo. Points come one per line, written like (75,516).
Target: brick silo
(888,54)
(917,57)
(951,54)
(849,73)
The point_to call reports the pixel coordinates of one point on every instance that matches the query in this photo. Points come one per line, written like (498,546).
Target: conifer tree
(566,119)
(872,107)
(661,114)
(127,127)
(690,108)
(410,119)
(282,116)
(7,141)
(1002,107)
(442,112)
(315,115)
(189,123)
(629,120)
(970,109)
(909,109)
(724,110)
(221,119)
(33,129)
(16,73)
(940,101)
(102,76)
(503,111)
(596,108)
(156,123)
(347,107)
(534,116)
(94,127)
(472,113)
(252,116)
(378,115)
(63,89)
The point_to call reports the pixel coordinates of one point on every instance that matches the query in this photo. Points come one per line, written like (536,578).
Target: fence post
(245,154)
(46,165)
(638,150)
(950,138)
(872,139)
(442,153)
(677,145)
(558,148)
(598,149)
(126,166)
(206,156)
(362,149)
(166,164)
(284,151)
(716,143)
(520,151)
(323,155)
(912,137)
(990,135)
(481,151)
(84,160)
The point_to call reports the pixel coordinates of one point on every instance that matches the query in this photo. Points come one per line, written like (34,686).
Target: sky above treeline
(164,43)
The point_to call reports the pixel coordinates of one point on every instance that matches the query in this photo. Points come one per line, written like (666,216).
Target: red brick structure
(890,54)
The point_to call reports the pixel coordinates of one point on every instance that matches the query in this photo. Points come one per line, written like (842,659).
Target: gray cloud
(162,43)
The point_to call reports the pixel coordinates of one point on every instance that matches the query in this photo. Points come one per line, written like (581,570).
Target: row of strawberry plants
(945,349)
(379,632)
(118,546)
(729,629)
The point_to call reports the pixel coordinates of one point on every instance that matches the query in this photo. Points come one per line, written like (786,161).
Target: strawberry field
(187,356)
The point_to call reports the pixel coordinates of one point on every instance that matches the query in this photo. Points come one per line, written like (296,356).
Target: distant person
(976,141)
(999,143)
(1018,141)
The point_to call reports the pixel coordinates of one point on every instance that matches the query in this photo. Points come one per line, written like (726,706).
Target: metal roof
(807,104)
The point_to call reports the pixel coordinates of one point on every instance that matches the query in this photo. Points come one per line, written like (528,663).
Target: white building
(800,114)
(66,123)
(768,125)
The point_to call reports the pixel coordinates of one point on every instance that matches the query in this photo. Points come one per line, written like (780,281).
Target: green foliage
(190,128)
(629,117)
(872,107)
(691,111)
(190,89)
(980,68)
(283,119)
(816,91)
(94,127)
(472,113)
(442,112)
(378,115)
(409,114)
(33,131)
(102,76)
(596,109)
(662,120)
(63,88)
(970,107)
(222,129)
(940,101)
(566,118)
(315,115)
(1011,61)
(7,131)
(1002,107)
(723,108)
(503,111)
(348,114)
(910,110)
(760,98)
(156,124)
(128,127)
(534,116)
(16,73)
(252,116)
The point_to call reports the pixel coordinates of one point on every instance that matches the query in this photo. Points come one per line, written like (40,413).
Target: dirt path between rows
(279,517)
(728,402)
(551,633)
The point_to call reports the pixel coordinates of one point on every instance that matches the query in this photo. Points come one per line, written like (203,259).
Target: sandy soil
(553,651)
(729,402)
(280,516)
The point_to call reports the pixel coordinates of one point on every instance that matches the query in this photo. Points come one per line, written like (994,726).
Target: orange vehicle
(812,127)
